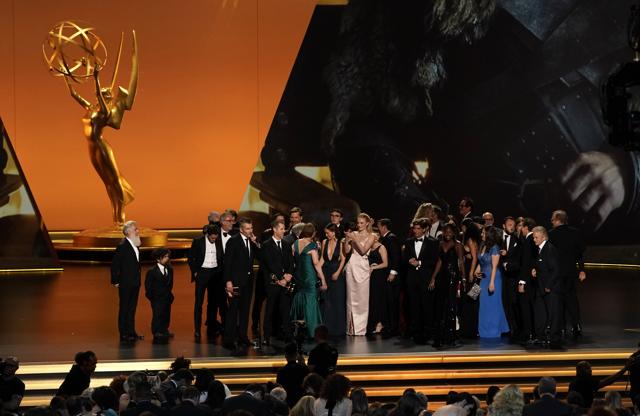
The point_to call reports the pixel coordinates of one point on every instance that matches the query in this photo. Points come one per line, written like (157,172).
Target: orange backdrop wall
(211,75)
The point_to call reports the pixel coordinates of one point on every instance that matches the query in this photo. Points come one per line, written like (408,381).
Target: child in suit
(158,289)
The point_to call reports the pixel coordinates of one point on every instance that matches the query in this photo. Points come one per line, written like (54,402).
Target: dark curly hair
(335,388)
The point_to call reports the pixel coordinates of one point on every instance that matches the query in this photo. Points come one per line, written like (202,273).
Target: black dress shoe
(197,335)
(138,337)
(245,341)
(126,338)
(170,334)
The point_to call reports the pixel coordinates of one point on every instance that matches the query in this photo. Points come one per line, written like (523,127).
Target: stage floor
(48,318)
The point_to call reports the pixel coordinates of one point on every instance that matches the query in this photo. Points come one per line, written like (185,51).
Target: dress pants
(526,303)
(278,302)
(237,320)
(201,286)
(259,297)
(161,315)
(510,302)
(570,301)
(419,304)
(127,310)
(392,303)
(216,302)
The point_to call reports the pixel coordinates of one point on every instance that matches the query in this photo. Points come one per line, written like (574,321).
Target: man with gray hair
(125,275)
(550,289)
(548,405)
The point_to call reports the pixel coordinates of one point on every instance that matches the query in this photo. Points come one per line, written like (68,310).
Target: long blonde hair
(424,211)
(304,407)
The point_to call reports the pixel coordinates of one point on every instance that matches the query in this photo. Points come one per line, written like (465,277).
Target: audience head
(583,369)
(547,387)
(213,217)
(509,401)
(312,384)
(256,390)
(409,404)
(335,388)
(487,218)
(635,400)
(291,352)
(215,394)
(204,377)
(87,361)
(279,393)
(226,221)
(558,218)
(536,393)
(308,231)
(491,393)
(321,334)
(575,398)
(359,401)
(539,235)
(304,407)
(246,226)
(613,399)
(179,363)
(450,410)
(384,225)
(117,384)
(335,216)
(600,411)
(419,227)
(465,206)
(364,222)
(330,231)
(105,397)
(295,216)
(9,366)
(191,394)
(183,377)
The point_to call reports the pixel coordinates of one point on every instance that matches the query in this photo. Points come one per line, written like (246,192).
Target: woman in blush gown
(332,261)
(492,322)
(357,244)
(304,306)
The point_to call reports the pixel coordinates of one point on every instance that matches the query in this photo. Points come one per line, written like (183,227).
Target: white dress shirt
(161,267)
(433,231)
(247,244)
(210,258)
(134,249)
(224,239)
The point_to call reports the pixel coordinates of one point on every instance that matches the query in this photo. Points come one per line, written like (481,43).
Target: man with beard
(125,275)
(510,262)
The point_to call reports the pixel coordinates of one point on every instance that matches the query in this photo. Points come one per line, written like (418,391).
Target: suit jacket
(187,408)
(570,245)
(245,401)
(428,256)
(547,271)
(198,251)
(547,406)
(394,254)
(511,261)
(125,267)
(528,256)
(275,261)
(158,286)
(238,264)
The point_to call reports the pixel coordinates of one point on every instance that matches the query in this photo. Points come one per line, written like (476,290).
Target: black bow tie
(225,234)
(419,239)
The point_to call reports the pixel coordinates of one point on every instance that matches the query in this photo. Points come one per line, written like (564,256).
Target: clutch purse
(474,292)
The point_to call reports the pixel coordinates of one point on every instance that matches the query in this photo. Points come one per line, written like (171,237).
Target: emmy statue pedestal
(111,236)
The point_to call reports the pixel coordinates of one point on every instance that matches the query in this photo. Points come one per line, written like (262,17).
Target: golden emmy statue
(77,54)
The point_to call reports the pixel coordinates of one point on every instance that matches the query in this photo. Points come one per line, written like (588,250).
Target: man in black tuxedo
(238,274)
(227,229)
(158,285)
(527,291)
(570,245)
(125,275)
(335,217)
(392,287)
(276,261)
(465,208)
(205,262)
(420,254)
(510,262)
(548,405)
(251,400)
(547,277)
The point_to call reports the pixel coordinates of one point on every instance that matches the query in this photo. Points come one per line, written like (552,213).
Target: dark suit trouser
(201,286)
(161,309)
(259,297)
(392,301)
(526,304)
(555,316)
(419,305)
(277,302)
(540,313)
(127,309)
(237,320)
(510,302)
(570,301)
(216,301)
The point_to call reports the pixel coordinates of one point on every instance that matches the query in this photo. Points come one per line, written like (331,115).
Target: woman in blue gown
(492,322)
(304,306)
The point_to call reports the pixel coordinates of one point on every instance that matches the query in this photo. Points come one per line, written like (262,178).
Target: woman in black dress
(378,263)
(469,306)
(446,282)
(334,307)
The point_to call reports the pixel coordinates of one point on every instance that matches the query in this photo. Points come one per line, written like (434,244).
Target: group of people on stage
(450,279)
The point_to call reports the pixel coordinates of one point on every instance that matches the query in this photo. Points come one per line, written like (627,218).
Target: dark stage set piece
(48,318)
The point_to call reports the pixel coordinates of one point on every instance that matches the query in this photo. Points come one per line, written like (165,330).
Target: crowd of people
(313,388)
(453,278)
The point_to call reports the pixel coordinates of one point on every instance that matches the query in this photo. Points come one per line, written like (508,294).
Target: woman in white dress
(358,272)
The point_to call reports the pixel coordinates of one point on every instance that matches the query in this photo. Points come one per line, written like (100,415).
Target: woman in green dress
(304,306)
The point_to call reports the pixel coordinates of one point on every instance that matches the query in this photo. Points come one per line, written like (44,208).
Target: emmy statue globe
(78,55)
